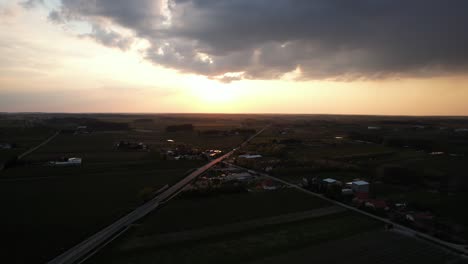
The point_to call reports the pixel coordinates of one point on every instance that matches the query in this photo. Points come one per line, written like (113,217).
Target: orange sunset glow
(59,65)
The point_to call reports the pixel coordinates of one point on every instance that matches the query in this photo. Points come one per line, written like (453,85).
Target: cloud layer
(264,39)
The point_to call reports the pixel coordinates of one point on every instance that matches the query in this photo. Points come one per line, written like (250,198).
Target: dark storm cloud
(109,37)
(267,38)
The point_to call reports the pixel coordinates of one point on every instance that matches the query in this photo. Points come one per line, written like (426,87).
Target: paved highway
(89,245)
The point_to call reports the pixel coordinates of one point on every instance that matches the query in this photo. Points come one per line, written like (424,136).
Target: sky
(382,57)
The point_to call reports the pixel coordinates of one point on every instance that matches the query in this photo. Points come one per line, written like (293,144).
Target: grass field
(64,205)
(249,245)
(24,138)
(368,247)
(65,210)
(225,209)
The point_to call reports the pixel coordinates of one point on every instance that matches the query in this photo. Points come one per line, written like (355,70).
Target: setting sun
(214,92)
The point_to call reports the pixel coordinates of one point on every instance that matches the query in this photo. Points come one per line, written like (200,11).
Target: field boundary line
(31,150)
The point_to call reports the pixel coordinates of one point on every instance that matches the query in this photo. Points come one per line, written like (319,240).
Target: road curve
(81,250)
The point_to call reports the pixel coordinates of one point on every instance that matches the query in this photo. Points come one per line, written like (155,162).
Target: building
(68,162)
(329,181)
(360,186)
(360,189)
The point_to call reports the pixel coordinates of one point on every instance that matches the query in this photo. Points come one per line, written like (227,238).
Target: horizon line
(204,113)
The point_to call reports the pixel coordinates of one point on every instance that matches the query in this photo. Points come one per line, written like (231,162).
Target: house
(328,185)
(248,156)
(360,189)
(360,186)
(329,181)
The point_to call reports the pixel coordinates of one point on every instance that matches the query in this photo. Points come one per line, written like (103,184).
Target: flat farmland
(224,209)
(245,246)
(50,209)
(93,147)
(23,138)
(68,208)
(368,247)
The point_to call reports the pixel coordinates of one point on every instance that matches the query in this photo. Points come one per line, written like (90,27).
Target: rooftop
(329,180)
(360,182)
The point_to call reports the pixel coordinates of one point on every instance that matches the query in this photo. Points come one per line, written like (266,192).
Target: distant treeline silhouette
(176,128)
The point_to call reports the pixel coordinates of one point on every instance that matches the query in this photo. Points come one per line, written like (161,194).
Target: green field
(225,209)
(24,138)
(245,246)
(67,209)
(64,205)
(368,247)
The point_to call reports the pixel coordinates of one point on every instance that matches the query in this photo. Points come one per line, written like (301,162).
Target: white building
(329,181)
(360,186)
